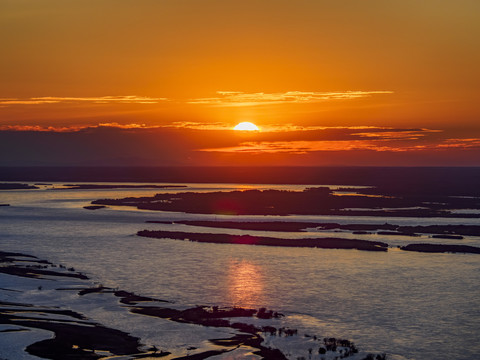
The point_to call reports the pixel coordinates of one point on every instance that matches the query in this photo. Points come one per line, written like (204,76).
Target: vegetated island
(441,248)
(312,201)
(439,231)
(94,207)
(115,186)
(16,186)
(324,243)
(75,336)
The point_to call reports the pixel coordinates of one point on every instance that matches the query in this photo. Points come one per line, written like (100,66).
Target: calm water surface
(409,305)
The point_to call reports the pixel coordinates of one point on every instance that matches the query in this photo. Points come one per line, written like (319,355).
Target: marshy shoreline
(77,336)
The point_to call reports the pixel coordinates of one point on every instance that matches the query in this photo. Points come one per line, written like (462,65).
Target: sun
(246,126)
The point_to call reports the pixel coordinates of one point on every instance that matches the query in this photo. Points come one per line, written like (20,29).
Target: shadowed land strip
(324,243)
(246,225)
(439,248)
(72,338)
(32,267)
(445,231)
(116,186)
(16,186)
(33,272)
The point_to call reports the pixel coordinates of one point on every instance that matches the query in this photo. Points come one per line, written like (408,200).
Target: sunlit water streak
(410,305)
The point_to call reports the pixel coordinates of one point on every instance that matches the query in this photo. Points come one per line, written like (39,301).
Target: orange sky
(357,82)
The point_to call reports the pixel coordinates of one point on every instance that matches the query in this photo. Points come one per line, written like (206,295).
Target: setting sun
(246,126)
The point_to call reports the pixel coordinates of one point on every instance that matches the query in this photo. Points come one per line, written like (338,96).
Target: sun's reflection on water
(245,283)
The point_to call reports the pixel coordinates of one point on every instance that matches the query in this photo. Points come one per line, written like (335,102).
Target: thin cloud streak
(39,128)
(304,147)
(291,127)
(301,147)
(397,134)
(236,98)
(73,128)
(198,126)
(127,99)
(225,98)
(461,143)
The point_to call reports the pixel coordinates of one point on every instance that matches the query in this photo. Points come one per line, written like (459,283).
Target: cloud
(460,143)
(292,127)
(302,147)
(236,98)
(30,101)
(72,128)
(205,138)
(126,99)
(377,145)
(39,128)
(275,128)
(224,98)
(124,126)
(198,125)
(397,134)
(187,143)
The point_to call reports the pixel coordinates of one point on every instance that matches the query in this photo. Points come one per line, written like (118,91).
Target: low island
(453,232)
(311,201)
(441,248)
(116,186)
(16,186)
(324,243)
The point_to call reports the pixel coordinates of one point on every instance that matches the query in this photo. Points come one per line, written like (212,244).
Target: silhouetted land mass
(446,236)
(259,226)
(312,201)
(126,297)
(324,243)
(443,231)
(94,207)
(393,191)
(33,267)
(16,186)
(76,337)
(469,230)
(116,186)
(439,248)
(395,233)
(86,337)
(450,181)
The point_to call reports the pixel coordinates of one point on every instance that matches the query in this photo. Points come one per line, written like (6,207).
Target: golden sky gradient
(297,69)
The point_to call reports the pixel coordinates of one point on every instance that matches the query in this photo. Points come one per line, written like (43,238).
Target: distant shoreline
(341,175)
